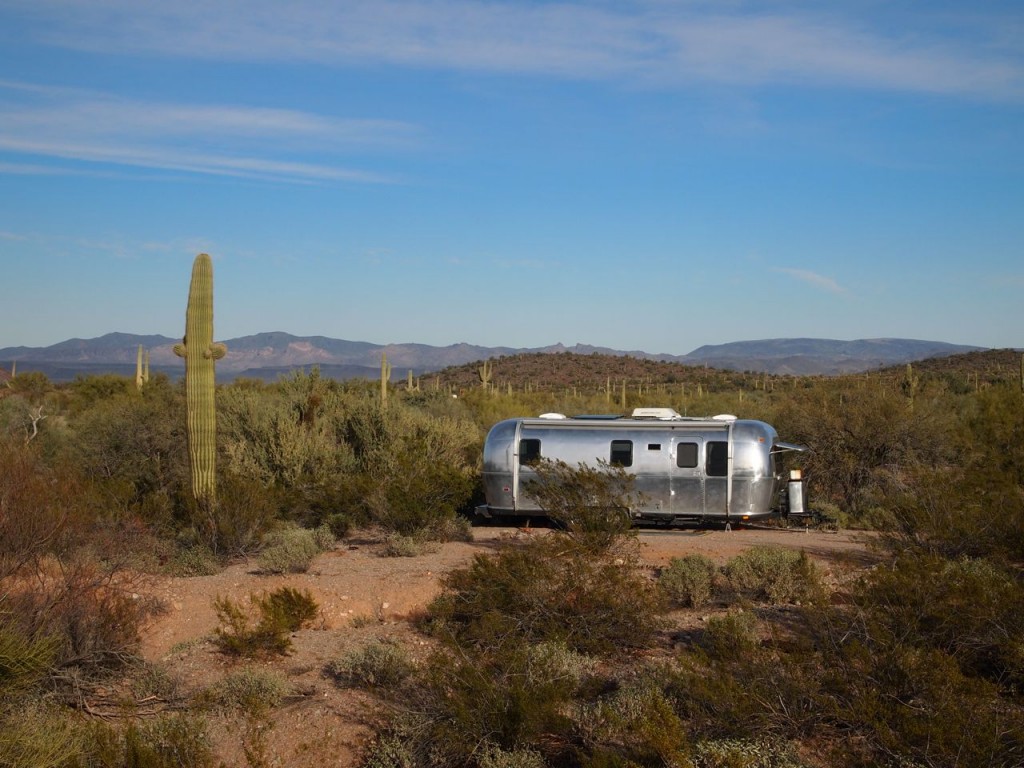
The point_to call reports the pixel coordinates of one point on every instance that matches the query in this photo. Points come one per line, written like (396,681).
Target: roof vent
(663,414)
(724,417)
(553,416)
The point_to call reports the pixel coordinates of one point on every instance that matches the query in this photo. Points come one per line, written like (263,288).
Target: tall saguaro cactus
(200,353)
(141,368)
(385,377)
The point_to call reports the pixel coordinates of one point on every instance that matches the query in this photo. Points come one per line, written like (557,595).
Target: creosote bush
(545,590)
(592,504)
(253,691)
(293,549)
(280,613)
(775,574)
(689,580)
(380,664)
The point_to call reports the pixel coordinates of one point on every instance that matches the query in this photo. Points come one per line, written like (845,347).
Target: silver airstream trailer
(686,470)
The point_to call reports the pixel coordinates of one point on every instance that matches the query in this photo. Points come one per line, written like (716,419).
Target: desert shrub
(492,756)
(400,545)
(167,741)
(732,636)
(591,503)
(864,438)
(36,736)
(174,740)
(972,610)
(541,592)
(323,536)
(392,750)
(380,664)
(634,725)
(41,513)
(745,753)
(774,574)
(243,515)
(956,513)
(689,581)
(735,684)
(916,704)
(428,538)
(24,658)
(88,612)
(449,528)
(253,691)
(286,434)
(413,468)
(194,559)
(136,440)
(502,697)
(291,550)
(340,524)
(281,612)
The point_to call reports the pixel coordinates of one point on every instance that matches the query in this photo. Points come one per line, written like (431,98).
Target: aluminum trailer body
(717,469)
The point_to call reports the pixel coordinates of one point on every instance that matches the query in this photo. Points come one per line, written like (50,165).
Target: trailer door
(686,477)
(717,463)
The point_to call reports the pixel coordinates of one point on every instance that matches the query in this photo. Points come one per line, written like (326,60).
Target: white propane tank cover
(552,416)
(724,417)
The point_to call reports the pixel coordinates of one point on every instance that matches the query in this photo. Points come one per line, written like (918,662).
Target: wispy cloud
(197,139)
(653,42)
(813,278)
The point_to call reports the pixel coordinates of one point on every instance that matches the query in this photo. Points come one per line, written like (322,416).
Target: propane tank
(796,494)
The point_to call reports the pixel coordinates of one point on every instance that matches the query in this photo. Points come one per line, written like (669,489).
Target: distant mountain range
(270,355)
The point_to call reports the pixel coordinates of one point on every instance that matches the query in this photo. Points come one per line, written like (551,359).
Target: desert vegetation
(558,650)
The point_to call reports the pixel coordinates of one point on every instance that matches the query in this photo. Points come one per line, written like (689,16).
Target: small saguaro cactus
(385,376)
(911,381)
(484,372)
(200,353)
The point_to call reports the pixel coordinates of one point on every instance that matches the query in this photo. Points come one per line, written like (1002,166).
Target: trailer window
(622,453)
(529,450)
(718,460)
(686,455)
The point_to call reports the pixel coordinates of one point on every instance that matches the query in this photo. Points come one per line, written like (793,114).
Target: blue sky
(651,175)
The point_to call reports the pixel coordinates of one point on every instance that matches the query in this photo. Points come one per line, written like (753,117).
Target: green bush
(36,736)
(592,504)
(281,612)
(745,753)
(380,664)
(774,574)
(340,525)
(414,468)
(166,742)
(634,725)
(293,549)
(689,581)
(24,658)
(972,610)
(400,545)
(506,698)
(194,560)
(253,691)
(733,636)
(541,592)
